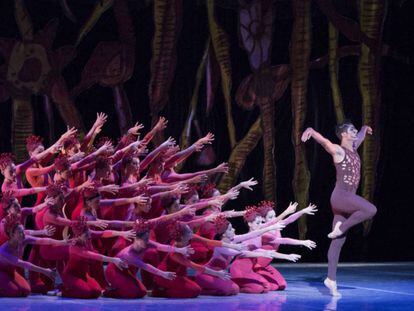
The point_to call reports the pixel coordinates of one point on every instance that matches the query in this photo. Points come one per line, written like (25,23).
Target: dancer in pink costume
(243,269)
(222,257)
(271,240)
(348,208)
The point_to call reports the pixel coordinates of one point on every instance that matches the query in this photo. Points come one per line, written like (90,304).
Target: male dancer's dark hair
(342,128)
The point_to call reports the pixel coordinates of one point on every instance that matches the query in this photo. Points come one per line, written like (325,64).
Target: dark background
(392,233)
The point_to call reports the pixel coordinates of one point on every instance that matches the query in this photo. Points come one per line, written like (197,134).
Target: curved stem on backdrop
(299,59)
(333,74)
(239,155)
(186,133)
(123,109)
(222,51)
(22,126)
(267,120)
(371,15)
(63,101)
(47,106)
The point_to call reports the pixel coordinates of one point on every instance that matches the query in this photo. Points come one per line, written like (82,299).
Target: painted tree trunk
(65,104)
(47,106)
(123,109)
(299,59)
(371,15)
(239,154)
(22,126)
(168,21)
(333,74)
(267,120)
(186,133)
(222,51)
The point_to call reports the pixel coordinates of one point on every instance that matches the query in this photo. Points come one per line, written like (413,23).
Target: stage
(382,286)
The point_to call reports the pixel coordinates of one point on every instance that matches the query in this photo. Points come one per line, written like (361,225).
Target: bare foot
(331,285)
(336,232)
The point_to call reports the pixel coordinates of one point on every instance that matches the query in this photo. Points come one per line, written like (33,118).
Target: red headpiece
(221,224)
(170,152)
(251,213)
(7,199)
(62,163)
(81,226)
(54,190)
(208,190)
(141,226)
(264,207)
(70,142)
(176,230)
(11,222)
(32,142)
(92,191)
(5,160)
(102,140)
(102,162)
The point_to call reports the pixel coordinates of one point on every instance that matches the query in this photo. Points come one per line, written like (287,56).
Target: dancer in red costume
(348,208)
(11,206)
(222,257)
(182,286)
(271,240)
(124,283)
(77,281)
(12,284)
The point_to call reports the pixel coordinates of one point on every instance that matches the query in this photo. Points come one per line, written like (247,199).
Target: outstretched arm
(137,262)
(172,177)
(331,148)
(361,135)
(153,154)
(253,234)
(13,260)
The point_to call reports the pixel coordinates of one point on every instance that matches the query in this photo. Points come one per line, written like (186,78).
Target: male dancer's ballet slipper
(336,232)
(331,285)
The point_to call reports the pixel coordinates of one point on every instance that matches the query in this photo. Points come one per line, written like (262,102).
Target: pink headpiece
(5,160)
(62,163)
(264,207)
(176,230)
(103,140)
(32,142)
(92,191)
(251,213)
(54,190)
(102,162)
(141,226)
(221,223)
(80,227)
(208,190)
(70,141)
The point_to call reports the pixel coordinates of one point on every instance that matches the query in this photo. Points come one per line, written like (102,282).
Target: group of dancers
(118,221)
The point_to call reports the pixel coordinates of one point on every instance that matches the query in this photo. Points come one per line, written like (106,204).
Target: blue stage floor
(363,287)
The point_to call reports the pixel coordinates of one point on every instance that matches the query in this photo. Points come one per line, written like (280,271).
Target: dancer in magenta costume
(271,240)
(243,269)
(348,208)
(221,258)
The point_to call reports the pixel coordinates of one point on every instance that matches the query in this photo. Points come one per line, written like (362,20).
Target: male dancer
(348,208)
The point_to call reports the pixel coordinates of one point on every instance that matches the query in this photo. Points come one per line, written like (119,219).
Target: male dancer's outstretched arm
(333,149)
